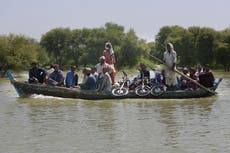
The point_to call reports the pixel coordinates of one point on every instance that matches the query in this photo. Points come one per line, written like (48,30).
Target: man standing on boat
(170,61)
(110,59)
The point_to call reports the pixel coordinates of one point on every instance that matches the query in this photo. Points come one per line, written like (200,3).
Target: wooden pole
(190,79)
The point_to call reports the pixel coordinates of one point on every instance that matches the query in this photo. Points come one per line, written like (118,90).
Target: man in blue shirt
(70,80)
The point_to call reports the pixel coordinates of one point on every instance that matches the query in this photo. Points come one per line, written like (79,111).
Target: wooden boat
(25,89)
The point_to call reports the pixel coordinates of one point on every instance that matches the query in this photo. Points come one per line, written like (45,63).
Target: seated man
(36,74)
(106,83)
(144,72)
(90,82)
(70,80)
(144,76)
(206,77)
(56,78)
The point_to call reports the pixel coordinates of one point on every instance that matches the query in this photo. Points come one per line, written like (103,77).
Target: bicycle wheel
(120,91)
(143,90)
(157,90)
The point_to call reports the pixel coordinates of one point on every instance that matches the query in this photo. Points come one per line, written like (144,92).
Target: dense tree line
(18,51)
(82,47)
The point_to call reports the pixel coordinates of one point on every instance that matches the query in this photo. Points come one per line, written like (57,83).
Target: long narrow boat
(25,89)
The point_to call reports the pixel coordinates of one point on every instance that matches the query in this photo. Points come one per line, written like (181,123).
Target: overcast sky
(36,17)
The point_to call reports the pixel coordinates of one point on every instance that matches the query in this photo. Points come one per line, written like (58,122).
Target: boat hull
(26,89)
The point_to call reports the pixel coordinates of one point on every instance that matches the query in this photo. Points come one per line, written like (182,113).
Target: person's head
(185,70)
(169,47)
(86,71)
(206,68)
(73,68)
(34,64)
(94,69)
(102,59)
(108,46)
(56,67)
(192,71)
(143,66)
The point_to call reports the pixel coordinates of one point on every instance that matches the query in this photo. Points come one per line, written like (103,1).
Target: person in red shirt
(110,59)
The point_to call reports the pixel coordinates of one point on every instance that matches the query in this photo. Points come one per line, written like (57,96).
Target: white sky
(36,17)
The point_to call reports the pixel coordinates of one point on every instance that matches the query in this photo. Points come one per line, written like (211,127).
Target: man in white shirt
(170,61)
(101,65)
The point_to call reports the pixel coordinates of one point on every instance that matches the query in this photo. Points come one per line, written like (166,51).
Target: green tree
(205,45)
(160,40)
(56,43)
(17,52)
(114,33)
(223,55)
(130,51)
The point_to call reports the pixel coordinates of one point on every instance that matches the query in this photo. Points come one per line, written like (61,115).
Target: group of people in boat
(171,81)
(204,75)
(101,77)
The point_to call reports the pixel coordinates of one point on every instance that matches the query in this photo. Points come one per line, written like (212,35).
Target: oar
(190,79)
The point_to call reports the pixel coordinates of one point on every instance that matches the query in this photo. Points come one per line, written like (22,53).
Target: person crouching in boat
(170,60)
(36,74)
(56,78)
(71,77)
(109,55)
(90,82)
(106,83)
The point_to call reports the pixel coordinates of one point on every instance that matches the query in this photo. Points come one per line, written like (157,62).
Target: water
(55,125)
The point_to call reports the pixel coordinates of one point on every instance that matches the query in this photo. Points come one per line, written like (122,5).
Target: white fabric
(170,76)
(100,67)
(170,58)
(111,49)
(106,83)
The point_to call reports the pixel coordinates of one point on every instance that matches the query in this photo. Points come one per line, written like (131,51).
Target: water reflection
(180,117)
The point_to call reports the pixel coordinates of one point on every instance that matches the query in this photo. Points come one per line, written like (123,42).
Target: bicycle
(122,89)
(143,89)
